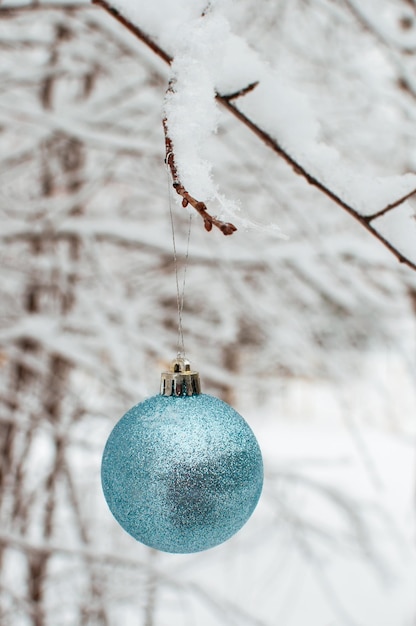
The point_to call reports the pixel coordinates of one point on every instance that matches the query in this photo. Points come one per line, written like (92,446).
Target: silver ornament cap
(180,380)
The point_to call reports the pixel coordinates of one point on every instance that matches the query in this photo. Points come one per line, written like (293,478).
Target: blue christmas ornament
(182,471)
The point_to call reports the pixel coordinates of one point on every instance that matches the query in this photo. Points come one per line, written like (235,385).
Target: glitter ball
(182,474)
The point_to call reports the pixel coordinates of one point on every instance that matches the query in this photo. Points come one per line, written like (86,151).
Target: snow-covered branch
(322,154)
(200,207)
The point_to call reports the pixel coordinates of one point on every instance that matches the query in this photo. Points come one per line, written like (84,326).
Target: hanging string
(180,295)
(184,282)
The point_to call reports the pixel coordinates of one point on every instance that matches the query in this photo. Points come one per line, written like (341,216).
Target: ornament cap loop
(181,380)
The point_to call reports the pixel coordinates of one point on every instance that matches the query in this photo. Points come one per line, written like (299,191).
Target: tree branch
(275,146)
(209,221)
(135,30)
(389,207)
(241,92)
(298,169)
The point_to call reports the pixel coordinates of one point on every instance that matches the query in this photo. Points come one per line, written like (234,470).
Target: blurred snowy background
(312,338)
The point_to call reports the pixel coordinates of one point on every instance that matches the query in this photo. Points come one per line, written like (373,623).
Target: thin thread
(184,277)
(180,297)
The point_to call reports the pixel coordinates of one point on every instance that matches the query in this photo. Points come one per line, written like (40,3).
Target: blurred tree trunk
(39,377)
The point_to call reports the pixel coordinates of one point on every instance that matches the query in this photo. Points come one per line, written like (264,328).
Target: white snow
(191,108)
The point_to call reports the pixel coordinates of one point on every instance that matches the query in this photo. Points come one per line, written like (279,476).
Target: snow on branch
(209,221)
(271,109)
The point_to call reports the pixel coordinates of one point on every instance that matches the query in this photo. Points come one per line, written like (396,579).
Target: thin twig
(298,169)
(270,142)
(134,30)
(389,207)
(241,92)
(209,220)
